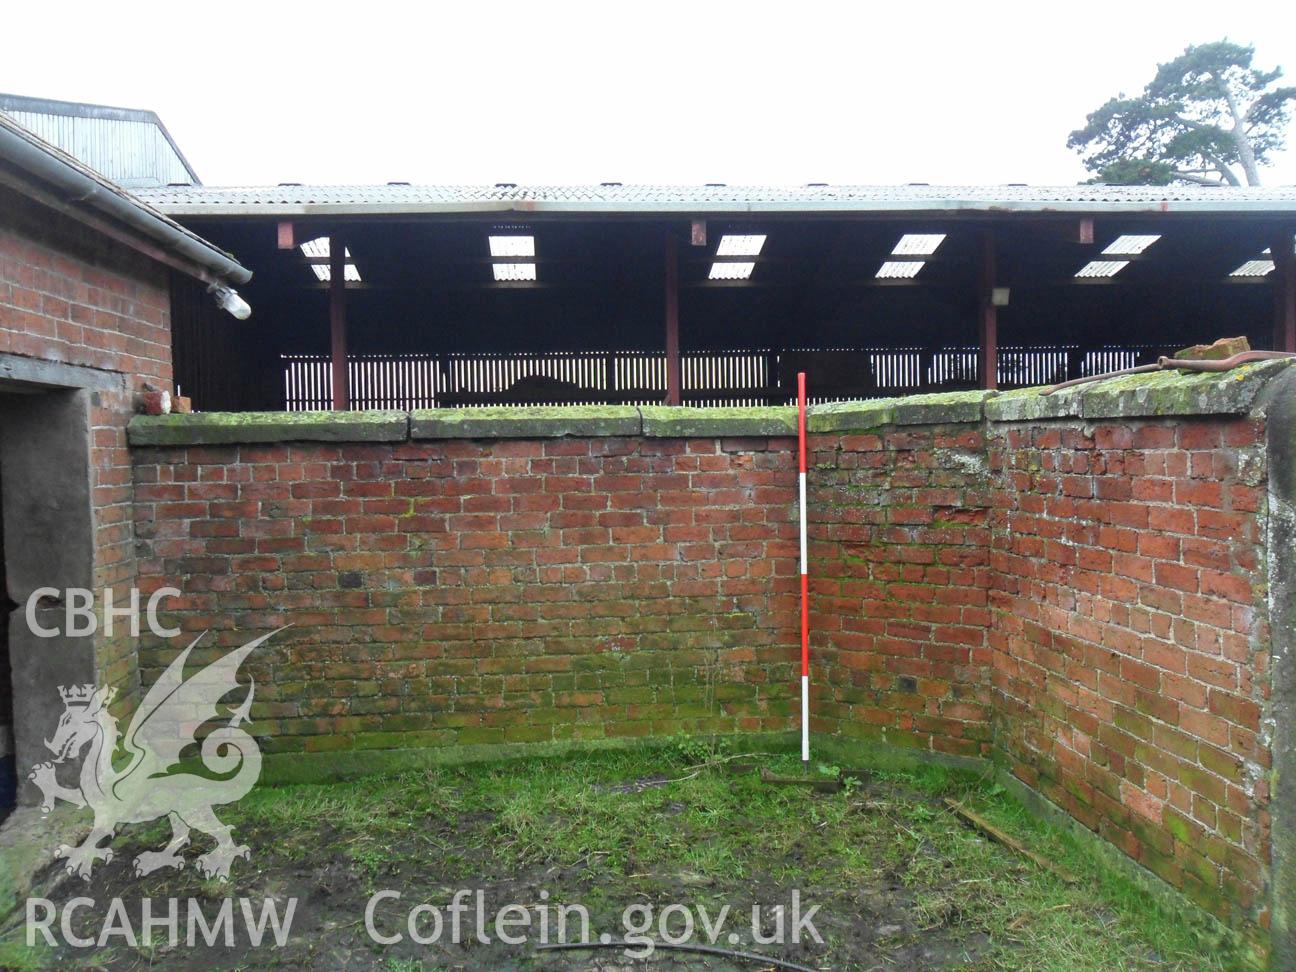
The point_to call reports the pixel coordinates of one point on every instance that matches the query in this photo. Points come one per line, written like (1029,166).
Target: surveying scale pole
(805,576)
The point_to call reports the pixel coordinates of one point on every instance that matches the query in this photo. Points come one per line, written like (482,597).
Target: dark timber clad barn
(716,295)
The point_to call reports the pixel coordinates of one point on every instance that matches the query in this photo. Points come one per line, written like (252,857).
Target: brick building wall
(509,591)
(486,592)
(1081,598)
(1129,637)
(70,295)
(900,565)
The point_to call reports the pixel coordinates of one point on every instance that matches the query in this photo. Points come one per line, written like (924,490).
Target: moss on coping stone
(1028,405)
(1167,393)
(676,422)
(940,408)
(851,416)
(523,422)
(1180,393)
(215,428)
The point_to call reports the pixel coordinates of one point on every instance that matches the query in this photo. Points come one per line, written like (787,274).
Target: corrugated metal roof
(305,200)
(129,146)
(94,192)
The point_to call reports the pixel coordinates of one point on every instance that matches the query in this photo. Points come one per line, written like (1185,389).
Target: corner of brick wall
(1073,585)
(70,296)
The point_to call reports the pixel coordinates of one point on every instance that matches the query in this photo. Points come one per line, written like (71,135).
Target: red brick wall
(71,296)
(497,592)
(900,554)
(1129,640)
(457,592)
(1081,602)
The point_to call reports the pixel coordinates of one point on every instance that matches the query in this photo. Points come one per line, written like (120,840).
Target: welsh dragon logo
(149,786)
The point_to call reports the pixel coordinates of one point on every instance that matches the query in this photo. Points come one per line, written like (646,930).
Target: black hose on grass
(700,949)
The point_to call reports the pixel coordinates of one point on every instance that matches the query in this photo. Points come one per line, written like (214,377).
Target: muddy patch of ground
(637,845)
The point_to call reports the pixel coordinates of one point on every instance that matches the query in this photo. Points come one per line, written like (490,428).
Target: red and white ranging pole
(805,575)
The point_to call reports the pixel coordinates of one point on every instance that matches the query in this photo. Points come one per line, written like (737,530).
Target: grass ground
(900,882)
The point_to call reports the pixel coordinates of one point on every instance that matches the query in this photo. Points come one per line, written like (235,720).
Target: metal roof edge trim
(215,206)
(1251,207)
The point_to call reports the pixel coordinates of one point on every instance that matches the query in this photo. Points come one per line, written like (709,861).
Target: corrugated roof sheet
(170,229)
(129,146)
(642,199)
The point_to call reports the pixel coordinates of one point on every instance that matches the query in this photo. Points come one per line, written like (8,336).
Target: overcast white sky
(460,92)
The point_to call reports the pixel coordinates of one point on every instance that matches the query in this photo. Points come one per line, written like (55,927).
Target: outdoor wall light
(227,299)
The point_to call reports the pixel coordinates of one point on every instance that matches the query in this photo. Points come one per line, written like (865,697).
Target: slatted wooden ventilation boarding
(724,378)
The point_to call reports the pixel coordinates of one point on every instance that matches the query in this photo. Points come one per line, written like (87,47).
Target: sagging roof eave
(949,208)
(71,187)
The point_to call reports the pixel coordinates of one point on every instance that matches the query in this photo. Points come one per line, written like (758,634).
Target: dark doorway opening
(48,543)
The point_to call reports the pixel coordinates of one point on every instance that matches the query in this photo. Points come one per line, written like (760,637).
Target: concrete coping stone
(1165,393)
(939,408)
(1168,393)
(684,422)
(524,422)
(219,428)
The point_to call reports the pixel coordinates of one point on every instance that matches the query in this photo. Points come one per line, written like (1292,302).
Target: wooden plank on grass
(1009,841)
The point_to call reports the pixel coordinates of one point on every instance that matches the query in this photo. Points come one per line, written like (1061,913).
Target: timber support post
(338,324)
(674,395)
(1284,259)
(987,316)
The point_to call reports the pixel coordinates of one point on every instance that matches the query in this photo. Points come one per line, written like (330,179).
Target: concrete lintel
(939,408)
(55,374)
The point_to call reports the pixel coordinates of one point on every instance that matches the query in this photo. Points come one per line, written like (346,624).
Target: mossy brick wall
(900,554)
(1129,637)
(1074,586)
(523,590)
(71,296)
(462,592)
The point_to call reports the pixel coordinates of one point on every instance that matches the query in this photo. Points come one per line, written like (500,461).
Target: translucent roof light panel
(899,269)
(324,273)
(1254,268)
(918,244)
(512,246)
(1130,245)
(514,271)
(318,249)
(1101,268)
(731,271)
(740,245)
